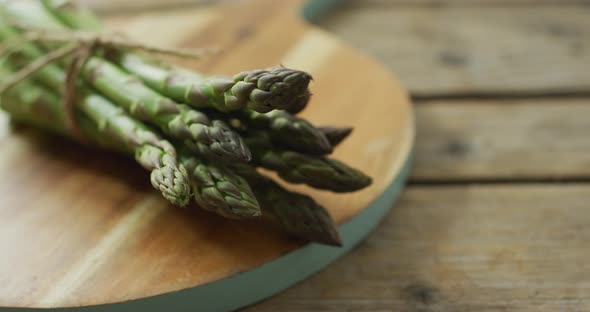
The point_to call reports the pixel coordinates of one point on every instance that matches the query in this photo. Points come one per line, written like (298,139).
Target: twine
(69,88)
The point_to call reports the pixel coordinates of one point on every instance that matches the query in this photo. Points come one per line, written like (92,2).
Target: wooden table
(496,216)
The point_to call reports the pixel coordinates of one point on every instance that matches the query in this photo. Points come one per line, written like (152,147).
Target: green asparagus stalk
(28,104)
(335,135)
(219,190)
(260,90)
(209,138)
(297,214)
(287,130)
(73,15)
(316,171)
(98,118)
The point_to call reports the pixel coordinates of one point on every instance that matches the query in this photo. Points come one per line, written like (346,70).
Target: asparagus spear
(335,135)
(98,118)
(28,104)
(219,190)
(297,214)
(260,90)
(316,171)
(209,138)
(73,15)
(151,151)
(287,130)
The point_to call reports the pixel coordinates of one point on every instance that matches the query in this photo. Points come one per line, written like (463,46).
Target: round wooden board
(83,228)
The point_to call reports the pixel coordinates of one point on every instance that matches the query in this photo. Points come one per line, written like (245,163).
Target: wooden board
(463,249)
(491,140)
(474,50)
(81,227)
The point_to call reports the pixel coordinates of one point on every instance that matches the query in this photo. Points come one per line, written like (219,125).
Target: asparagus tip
(330,237)
(245,207)
(336,135)
(173,184)
(276,87)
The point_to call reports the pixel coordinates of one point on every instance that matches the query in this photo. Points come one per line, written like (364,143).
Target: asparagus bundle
(222,127)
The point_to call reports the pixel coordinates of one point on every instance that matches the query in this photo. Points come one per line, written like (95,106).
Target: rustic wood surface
(463,248)
(104,235)
(496,218)
(443,50)
(508,140)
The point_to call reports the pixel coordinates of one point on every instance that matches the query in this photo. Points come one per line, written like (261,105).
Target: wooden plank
(463,249)
(525,139)
(446,50)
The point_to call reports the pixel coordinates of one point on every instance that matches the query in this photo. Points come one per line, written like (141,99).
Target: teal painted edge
(264,281)
(315,8)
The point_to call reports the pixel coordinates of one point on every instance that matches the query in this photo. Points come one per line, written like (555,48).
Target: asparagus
(73,15)
(316,171)
(151,151)
(98,118)
(299,104)
(260,90)
(209,138)
(287,130)
(219,190)
(335,135)
(297,214)
(28,104)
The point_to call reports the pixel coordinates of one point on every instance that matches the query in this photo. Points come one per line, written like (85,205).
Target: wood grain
(453,50)
(500,139)
(463,249)
(82,227)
